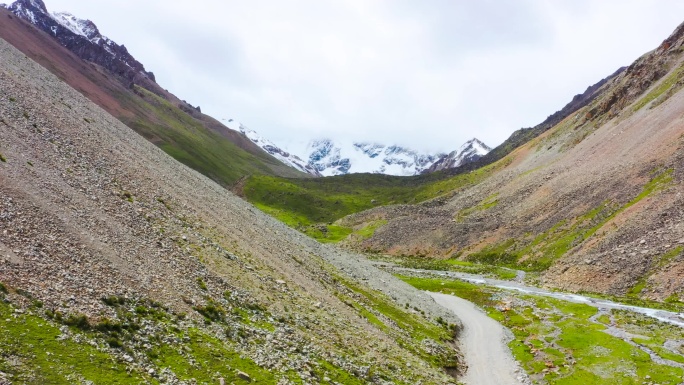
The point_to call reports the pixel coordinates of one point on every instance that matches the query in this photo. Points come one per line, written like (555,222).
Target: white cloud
(426,74)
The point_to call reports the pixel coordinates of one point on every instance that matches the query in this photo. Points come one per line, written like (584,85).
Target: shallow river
(662,315)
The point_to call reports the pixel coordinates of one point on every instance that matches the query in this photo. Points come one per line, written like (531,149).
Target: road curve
(483,343)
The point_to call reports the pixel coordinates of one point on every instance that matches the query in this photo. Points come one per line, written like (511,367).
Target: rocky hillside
(121,265)
(594,201)
(75,51)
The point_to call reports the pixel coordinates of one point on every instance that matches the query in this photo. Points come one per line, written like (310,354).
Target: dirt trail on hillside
(483,344)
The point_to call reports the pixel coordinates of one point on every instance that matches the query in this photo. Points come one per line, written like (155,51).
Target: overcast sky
(429,74)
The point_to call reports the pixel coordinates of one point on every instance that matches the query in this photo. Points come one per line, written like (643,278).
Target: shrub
(114,300)
(114,342)
(211,311)
(79,321)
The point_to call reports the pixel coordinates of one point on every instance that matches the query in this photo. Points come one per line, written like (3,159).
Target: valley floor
(557,338)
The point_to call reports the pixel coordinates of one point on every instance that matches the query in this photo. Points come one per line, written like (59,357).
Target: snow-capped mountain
(268,146)
(325,157)
(84,39)
(470,151)
(337,158)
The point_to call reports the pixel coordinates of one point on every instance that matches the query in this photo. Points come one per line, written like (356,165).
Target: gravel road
(483,344)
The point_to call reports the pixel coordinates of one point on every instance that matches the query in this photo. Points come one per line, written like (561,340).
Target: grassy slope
(190,142)
(41,346)
(301,203)
(197,143)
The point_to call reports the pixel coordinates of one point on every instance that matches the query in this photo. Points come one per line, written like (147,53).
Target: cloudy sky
(426,74)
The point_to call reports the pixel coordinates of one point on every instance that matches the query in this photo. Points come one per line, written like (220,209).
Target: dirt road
(483,344)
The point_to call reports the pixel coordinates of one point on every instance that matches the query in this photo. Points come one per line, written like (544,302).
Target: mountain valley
(144,263)
(143,241)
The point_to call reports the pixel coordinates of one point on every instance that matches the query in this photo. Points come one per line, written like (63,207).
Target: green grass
(486,204)
(557,343)
(636,290)
(417,326)
(189,141)
(669,256)
(304,202)
(328,233)
(32,352)
(368,230)
(455,265)
(336,375)
(469,291)
(207,359)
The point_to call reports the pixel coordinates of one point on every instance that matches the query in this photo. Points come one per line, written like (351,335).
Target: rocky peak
(470,151)
(30,5)
(83,38)
(78,26)
(31,10)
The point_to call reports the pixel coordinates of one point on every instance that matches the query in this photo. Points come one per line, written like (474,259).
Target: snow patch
(338,158)
(78,26)
(283,156)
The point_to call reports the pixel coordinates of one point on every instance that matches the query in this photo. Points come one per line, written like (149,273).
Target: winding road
(483,344)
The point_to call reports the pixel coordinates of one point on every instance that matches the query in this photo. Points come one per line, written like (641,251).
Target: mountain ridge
(122,265)
(172,124)
(84,39)
(591,198)
(469,152)
(285,157)
(332,157)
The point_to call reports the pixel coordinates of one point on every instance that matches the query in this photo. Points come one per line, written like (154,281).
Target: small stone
(244,376)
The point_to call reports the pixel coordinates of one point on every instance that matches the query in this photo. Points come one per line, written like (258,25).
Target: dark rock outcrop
(83,38)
